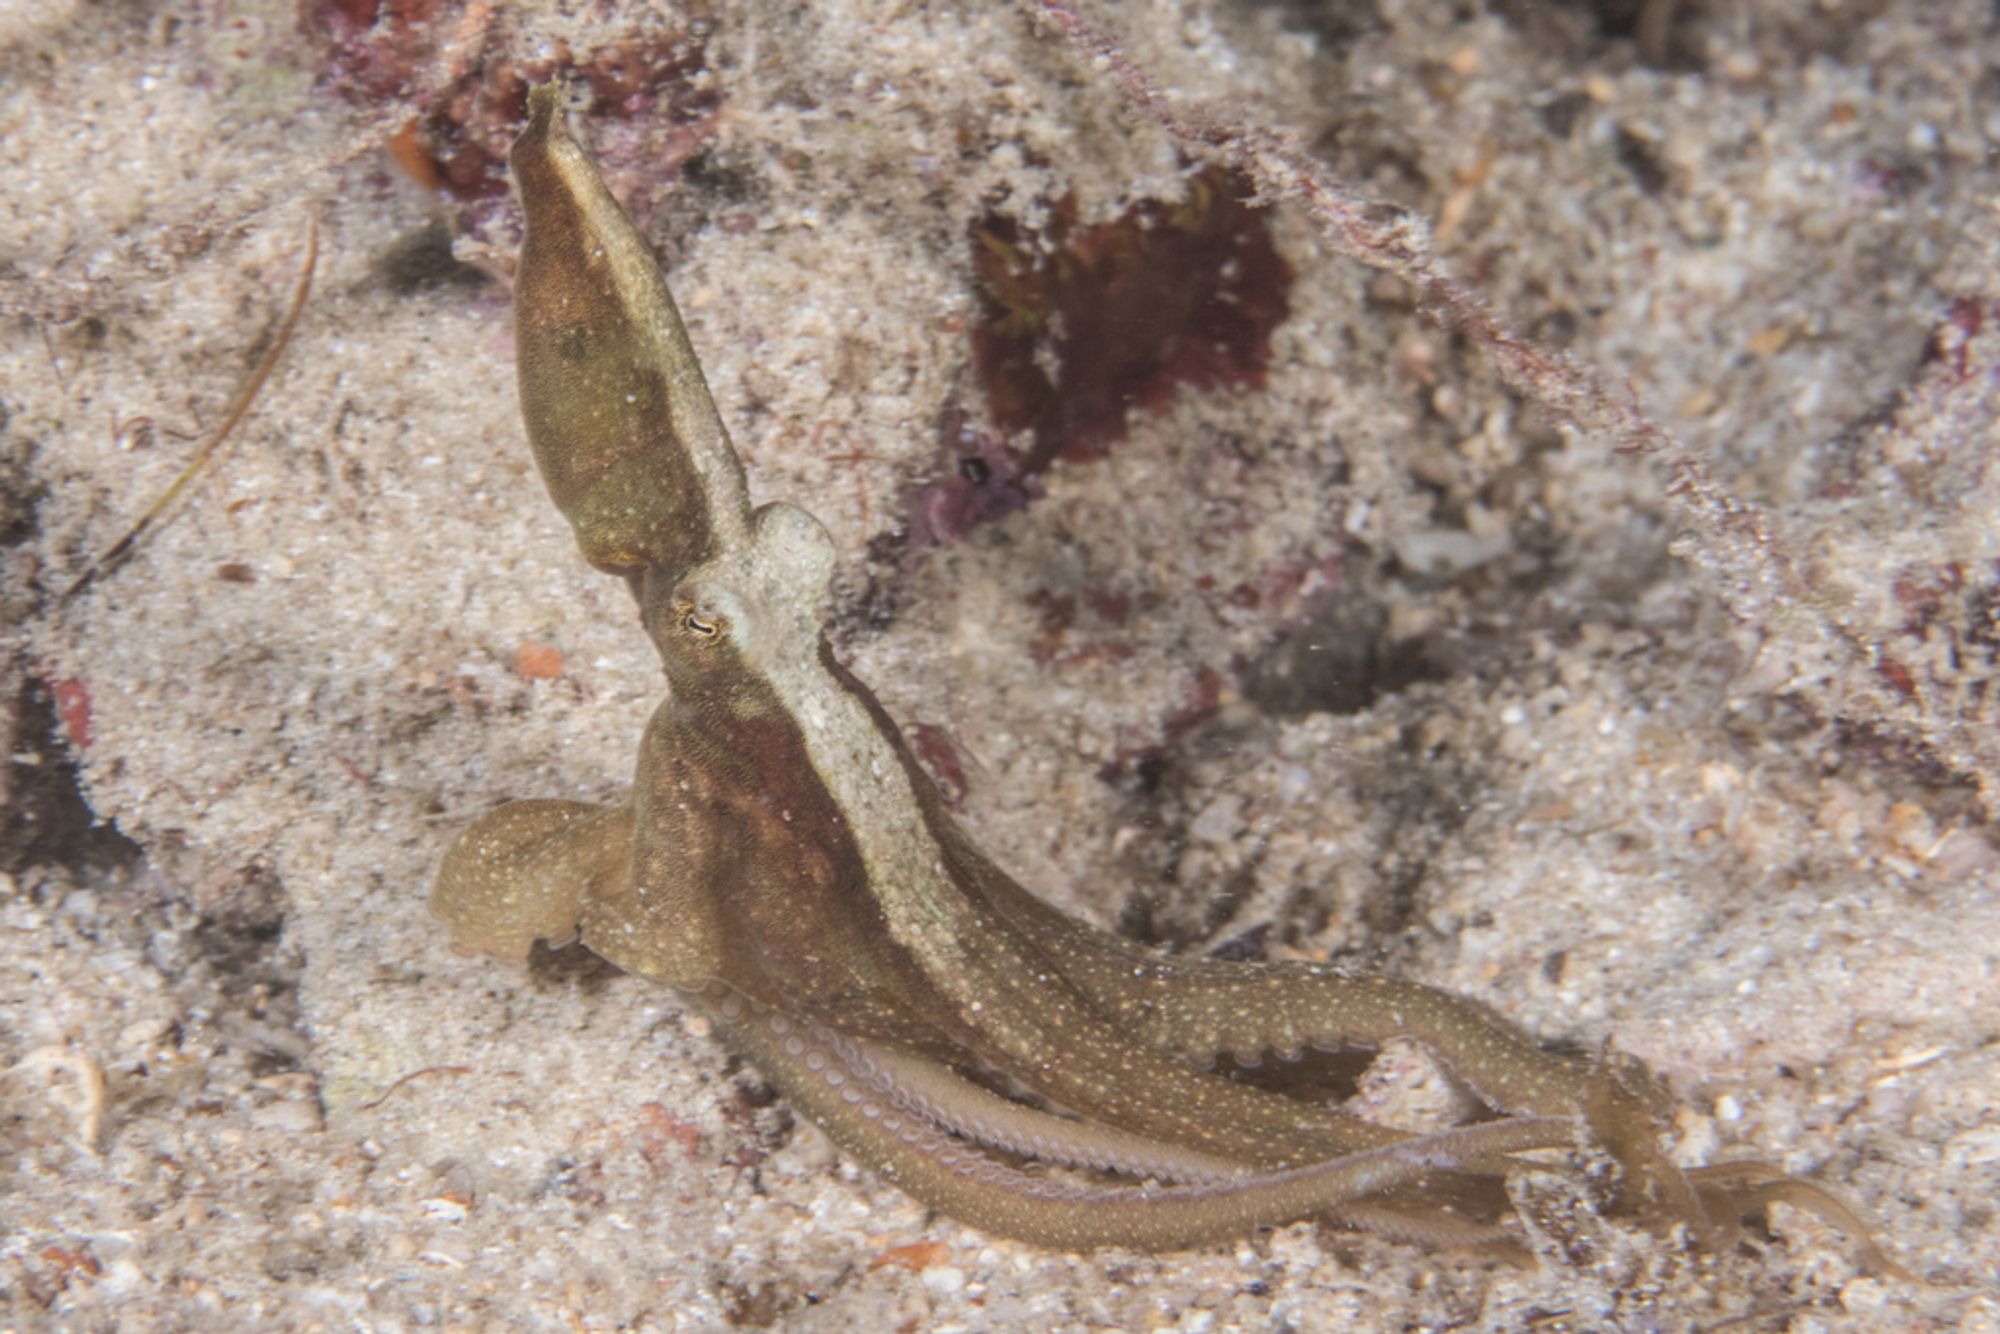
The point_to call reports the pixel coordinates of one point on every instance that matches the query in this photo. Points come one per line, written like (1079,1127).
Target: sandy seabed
(1484,701)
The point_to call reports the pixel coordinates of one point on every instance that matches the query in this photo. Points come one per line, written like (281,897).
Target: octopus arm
(524,872)
(1001,998)
(860,1104)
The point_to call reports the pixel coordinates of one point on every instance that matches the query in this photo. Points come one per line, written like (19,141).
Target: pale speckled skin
(783,858)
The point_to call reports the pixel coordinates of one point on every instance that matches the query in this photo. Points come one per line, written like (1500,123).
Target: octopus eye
(690,619)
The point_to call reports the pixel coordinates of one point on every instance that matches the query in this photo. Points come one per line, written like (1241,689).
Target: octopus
(785,861)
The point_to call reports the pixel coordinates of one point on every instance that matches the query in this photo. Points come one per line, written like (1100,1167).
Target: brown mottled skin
(784,860)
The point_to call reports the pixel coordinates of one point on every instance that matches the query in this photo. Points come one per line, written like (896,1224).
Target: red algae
(1165,294)
(463,71)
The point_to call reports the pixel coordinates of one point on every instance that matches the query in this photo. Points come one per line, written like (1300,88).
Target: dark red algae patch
(1079,326)
(463,71)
